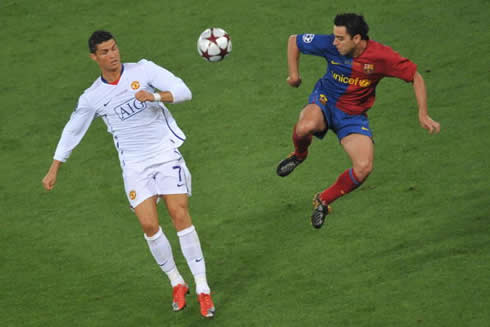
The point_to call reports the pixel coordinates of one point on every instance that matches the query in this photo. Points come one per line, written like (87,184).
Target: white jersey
(143,132)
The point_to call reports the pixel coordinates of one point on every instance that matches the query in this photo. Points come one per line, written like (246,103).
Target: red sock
(301,144)
(346,182)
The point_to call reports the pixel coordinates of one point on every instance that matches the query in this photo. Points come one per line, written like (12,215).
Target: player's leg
(360,149)
(174,181)
(178,209)
(311,120)
(161,250)
(146,211)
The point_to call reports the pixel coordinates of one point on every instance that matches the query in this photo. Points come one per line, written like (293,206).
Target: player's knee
(304,128)
(150,228)
(362,169)
(178,212)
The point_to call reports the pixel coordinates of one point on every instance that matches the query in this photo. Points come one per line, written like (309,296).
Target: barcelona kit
(348,89)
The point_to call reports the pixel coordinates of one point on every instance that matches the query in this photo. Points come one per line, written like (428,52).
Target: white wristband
(157,97)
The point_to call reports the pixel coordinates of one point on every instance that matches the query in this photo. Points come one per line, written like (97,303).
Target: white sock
(191,248)
(162,252)
(175,277)
(202,284)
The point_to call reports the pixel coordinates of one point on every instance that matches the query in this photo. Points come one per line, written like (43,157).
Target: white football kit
(145,134)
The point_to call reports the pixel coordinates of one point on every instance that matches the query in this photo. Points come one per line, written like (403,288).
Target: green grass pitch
(411,247)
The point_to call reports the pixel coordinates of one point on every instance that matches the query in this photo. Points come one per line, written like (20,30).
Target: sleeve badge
(307,38)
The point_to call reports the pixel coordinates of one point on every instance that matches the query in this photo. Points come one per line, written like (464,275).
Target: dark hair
(98,37)
(355,24)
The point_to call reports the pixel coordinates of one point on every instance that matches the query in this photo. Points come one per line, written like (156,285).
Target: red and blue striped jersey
(350,83)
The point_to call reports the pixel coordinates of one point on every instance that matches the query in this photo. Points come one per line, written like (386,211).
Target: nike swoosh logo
(179,185)
(334,62)
(105,104)
(199,260)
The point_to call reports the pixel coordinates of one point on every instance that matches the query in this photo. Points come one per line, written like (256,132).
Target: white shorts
(142,182)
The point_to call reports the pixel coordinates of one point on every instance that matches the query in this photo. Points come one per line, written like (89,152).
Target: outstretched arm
(421,96)
(293,62)
(73,133)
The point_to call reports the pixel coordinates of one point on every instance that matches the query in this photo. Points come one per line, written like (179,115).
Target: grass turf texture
(411,247)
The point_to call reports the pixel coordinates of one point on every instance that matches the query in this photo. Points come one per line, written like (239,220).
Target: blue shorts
(338,121)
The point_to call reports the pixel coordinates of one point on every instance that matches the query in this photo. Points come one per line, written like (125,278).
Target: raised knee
(362,169)
(304,128)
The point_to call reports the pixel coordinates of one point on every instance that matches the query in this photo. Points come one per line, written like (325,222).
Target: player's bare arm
(165,96)
(421,96)
(50,179)
(293,62)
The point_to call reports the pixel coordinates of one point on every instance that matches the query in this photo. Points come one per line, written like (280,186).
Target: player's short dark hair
(354,24)
(98,37)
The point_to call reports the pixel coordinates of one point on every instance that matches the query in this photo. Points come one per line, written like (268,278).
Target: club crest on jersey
(135,85)
(129,108)
(368,68)
(323,99)
(307,38)
(132,194)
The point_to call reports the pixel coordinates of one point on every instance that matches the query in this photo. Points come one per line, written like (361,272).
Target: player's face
(344,42)
(107,56)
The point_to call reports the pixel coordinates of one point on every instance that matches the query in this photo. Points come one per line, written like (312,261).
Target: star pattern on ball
(212,38)
(206,55)
(214,44)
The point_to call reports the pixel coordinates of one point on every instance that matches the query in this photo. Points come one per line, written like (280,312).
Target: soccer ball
(214,44)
